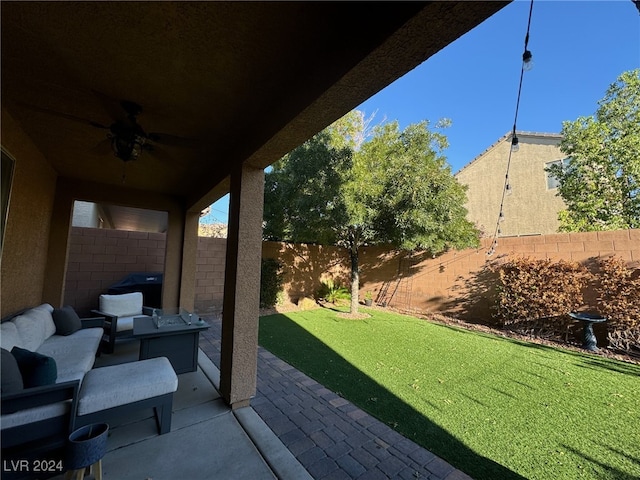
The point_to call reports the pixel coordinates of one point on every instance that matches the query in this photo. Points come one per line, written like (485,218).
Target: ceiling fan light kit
(126,149)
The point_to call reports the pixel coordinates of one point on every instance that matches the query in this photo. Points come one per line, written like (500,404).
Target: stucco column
(58,248)
(238,362)
(189,254)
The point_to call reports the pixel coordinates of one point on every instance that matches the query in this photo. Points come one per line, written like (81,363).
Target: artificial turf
(493,407)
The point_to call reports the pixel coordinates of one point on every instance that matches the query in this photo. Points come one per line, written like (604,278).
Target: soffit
(242,81)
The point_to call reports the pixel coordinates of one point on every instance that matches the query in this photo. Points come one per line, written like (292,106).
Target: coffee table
(177,340)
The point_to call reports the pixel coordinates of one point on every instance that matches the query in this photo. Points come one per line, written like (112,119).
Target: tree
(397,189)
(601,180)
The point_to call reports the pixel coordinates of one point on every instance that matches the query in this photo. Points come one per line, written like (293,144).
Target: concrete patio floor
(207,440)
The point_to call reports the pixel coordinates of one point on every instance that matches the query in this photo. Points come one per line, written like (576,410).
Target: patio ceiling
(240,81)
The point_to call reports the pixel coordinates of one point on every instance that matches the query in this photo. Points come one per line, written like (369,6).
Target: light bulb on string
(501,217)
(507,188)
(515,143)
(527,61)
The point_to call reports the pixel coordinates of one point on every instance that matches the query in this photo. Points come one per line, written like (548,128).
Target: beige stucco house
(526,192)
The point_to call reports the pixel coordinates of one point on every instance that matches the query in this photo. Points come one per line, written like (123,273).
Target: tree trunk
(355,279)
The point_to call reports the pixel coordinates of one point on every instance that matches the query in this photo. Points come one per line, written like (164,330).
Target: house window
(552,181)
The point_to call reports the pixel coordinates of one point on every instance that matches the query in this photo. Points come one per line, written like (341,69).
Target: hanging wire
(526,59)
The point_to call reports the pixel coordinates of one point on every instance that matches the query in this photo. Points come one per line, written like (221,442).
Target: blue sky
(579,48)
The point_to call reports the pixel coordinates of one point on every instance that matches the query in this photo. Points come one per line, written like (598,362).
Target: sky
(579,48)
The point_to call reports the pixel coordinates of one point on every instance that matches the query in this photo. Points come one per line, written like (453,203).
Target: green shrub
(270,282)
(333,292)
(535,296)
(618,290)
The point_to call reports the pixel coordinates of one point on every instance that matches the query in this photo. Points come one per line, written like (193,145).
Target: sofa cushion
(32,415)
(126,383)
(35,326)
(123,305)
(74,354)
(9,336)
(66,320)
(126,323)
(11,376)
(45,314)
(36,369)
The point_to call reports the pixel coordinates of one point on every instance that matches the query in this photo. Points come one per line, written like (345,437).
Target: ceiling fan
(126,137)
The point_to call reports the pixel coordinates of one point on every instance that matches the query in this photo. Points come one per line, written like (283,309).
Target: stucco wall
(24,256)
(531,208)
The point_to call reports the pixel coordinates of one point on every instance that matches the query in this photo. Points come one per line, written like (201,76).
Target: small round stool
(85,448)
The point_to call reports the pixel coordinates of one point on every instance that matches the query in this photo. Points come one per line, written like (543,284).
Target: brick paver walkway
(332,438)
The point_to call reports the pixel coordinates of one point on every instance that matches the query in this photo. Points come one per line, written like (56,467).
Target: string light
(527,60)
(515,143)
(527,64)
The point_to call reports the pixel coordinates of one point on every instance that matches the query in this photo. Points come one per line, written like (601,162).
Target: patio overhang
(235,85)
(246,81)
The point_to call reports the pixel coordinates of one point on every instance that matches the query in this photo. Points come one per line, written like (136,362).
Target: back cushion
(37,370)
(124,305)
(44,313)
(35,326)
(9,336)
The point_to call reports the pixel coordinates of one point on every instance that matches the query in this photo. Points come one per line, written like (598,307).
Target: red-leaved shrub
(618,290)
(535,296)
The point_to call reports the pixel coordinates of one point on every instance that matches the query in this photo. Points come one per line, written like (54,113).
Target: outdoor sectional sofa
(39,411)
(34,408)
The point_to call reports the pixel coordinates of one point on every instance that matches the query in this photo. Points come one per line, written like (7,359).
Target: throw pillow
(67,320)
(37,370)
(11,376)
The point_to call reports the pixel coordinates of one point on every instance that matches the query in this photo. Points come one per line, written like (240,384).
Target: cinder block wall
(455,283)
(99,258)
(210,274)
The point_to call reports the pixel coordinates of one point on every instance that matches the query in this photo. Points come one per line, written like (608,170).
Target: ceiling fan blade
(102,148)
(66,116)
(159,153)
(172,140)
(112,106)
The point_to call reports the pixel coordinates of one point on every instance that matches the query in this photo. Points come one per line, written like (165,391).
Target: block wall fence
(455,283)
(99,258)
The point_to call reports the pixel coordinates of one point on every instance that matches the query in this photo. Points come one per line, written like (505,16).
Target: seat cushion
(74,354)
(31,415)
(37,370)
(126,383)
(126,323)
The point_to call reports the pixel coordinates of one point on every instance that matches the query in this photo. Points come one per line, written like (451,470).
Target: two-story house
(530,203)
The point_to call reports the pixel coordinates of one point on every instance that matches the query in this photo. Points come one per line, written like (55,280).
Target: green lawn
(493,407)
